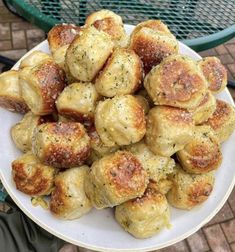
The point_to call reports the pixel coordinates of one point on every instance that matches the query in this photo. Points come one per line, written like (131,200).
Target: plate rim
(105,249)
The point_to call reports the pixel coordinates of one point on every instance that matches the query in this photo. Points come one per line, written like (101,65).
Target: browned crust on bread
(199,192)
(125,168)
(62,34)
(34,184)
(151,52)
(13,104)
(52,82)
(185,84)
(220,115)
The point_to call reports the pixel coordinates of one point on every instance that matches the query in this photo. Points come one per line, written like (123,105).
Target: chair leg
(231,84)
(9,63)
(11,9)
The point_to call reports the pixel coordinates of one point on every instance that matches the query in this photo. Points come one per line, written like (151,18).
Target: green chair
(3,193)
(197,23)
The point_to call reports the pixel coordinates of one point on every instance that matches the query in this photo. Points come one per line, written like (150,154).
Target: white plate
(98,230)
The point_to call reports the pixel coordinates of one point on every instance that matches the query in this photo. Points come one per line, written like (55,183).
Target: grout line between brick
(233,56)
(217,223)
(11,37)
(206,238)
(230,208)
(26,38)
(187,245)
(225,236)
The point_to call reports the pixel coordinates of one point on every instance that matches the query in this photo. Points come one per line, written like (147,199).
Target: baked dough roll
(59,58)
(33,59)
(205,109)
(22,132)
(10,95)
(215,73)
(121,75)
(145,216)
(98,149)
(88,53)
(68,199)
(61,35)
(77,102)
(202,154)
(189,190)
(114,179)
(40,86)
(168,130)
(61,145)
(222,120)
(59,39)
(32,177)
(110,23)
(153,46)
(156,25)
(177,82)
(120,120)
(156,166)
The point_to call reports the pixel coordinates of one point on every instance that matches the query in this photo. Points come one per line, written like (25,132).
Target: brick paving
(18,36)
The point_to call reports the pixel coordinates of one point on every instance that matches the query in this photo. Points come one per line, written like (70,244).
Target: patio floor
(18,36)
